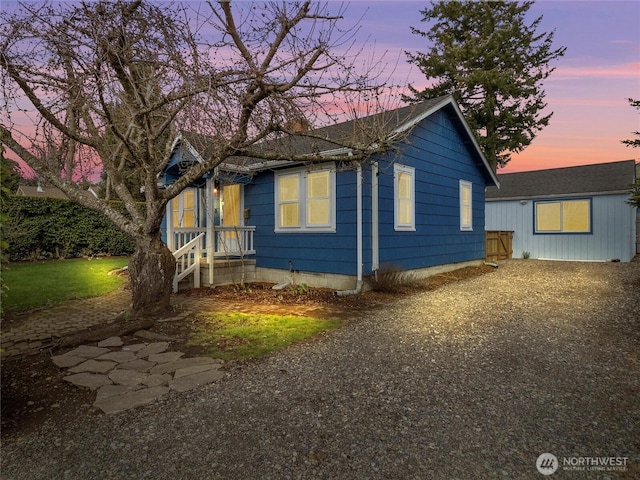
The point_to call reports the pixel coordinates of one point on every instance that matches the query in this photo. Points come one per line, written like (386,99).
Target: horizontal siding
(309,252)
(612,234)
(441,160)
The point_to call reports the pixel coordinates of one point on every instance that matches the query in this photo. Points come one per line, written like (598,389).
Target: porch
(212,255)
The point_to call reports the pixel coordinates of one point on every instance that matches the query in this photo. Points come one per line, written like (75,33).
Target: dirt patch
(33,390)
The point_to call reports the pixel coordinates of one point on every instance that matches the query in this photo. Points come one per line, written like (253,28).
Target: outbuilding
(573,213)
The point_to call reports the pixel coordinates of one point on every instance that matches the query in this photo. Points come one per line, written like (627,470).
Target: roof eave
(449,101)
(446,101)
(556,195)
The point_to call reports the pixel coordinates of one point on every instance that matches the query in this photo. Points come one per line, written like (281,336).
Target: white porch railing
(189,245)
(228,241)
(234,241)
(183,235)
(188,261)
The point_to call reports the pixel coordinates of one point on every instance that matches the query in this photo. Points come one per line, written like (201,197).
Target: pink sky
(587,92)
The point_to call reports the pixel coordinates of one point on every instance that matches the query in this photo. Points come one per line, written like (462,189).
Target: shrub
(390,278)
(40,228)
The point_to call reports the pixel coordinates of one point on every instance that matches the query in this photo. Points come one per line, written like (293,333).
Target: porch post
(210,201)
(169,216)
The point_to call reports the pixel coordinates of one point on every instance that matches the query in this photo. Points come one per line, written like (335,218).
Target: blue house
(418,206)
(573,213)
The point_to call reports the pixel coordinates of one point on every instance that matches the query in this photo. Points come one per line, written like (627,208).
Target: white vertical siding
(612,237)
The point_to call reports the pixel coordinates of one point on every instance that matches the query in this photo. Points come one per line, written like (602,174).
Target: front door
(231,205)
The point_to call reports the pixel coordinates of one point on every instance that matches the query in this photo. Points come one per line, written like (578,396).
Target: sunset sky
(587,92)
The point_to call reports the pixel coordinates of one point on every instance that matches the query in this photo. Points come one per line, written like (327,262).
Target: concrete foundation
(236,271)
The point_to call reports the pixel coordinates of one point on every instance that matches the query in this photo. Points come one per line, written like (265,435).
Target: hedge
(40,228)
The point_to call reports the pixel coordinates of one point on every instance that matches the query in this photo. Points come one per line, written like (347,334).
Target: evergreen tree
(493,62)
(635,188)
(636,141)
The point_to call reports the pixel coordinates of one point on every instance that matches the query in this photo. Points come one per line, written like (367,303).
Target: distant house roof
(331,140)
(596,179)
(47,192)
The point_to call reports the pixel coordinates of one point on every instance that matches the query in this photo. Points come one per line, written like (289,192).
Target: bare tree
(118,80)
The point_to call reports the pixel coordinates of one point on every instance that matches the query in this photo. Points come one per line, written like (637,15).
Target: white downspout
(210,207)
(169,216)
(358,288)
(375,225)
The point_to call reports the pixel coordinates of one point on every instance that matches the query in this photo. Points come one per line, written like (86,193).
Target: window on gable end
(404,198)
(466,205)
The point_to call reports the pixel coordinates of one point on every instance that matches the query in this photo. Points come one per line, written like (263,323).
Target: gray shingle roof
(363,131)
(336,139)
(598,178)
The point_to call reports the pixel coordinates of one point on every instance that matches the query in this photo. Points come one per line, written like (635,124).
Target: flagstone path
(127,376)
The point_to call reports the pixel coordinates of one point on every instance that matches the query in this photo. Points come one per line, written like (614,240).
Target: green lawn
(35,285)
(240,336)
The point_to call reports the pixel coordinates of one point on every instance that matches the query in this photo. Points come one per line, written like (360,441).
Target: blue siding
(310,252)
(441,159)
(612,236)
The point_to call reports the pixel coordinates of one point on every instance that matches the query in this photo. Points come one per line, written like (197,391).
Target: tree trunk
(151,268)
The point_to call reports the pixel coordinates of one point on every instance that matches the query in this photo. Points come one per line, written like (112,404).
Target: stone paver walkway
(36,330)
(123,376)
(127,376)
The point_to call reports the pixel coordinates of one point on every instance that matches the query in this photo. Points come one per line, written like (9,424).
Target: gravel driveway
(473,380)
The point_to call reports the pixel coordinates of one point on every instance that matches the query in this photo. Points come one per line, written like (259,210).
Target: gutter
(358,288)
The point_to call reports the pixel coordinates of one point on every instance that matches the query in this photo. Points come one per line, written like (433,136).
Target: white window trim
(466,227)
(411,226)
(196,207)
(302,203)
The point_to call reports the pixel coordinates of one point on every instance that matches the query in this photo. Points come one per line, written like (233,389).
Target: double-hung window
(466,206)
(305,200)
(566,216)
(404,196)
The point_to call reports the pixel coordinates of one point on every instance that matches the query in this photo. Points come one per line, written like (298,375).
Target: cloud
(588,102)
(624,71)
(622,42)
